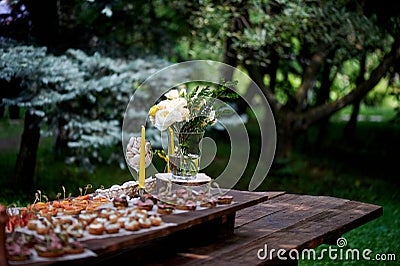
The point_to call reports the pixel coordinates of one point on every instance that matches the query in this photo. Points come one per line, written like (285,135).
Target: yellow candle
(172,140)
(170,148)
(168,156)
(142,167)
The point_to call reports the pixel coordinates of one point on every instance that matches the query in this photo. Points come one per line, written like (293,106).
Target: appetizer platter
(59,229)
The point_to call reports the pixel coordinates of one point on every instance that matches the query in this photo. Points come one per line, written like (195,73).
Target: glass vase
(184,153)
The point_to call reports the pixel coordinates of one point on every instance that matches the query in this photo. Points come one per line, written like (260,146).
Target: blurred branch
(377,74)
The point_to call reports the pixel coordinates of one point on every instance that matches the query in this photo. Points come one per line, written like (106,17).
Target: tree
(295,52)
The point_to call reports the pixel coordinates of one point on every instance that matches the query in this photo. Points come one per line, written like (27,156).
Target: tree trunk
(26,160)
(230,54)
(350,129)
(287,135)
(323,97)
(273,69)
(61,144)
(309,77)
(13,111)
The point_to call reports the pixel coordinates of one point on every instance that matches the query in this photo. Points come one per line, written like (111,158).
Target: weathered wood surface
(205,237)
(284,222)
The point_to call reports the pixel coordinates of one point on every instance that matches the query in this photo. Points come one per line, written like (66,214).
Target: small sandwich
(163,208)
(49,252)
(96,228)
(224,199)
(189,205)
(51,247)
(17,252)
(209,203)
(74,247)
(147,204)
(120,202)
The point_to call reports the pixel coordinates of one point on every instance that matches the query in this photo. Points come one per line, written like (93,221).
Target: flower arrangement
(190,111)
(187,115)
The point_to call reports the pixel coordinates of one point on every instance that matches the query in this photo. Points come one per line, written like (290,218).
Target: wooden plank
(330,225)
(291,221)
(283,207)
(315,230)
(261,210)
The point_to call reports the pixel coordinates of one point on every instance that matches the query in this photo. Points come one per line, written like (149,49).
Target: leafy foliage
(204,100)
(80,98)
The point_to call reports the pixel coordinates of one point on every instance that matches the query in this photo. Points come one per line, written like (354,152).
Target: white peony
(178,103)
(165,118)
(172,94)
(164,105)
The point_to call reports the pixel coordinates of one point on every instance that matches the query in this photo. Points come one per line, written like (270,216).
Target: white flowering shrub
(81,98)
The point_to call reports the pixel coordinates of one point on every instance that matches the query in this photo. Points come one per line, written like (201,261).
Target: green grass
(364,169)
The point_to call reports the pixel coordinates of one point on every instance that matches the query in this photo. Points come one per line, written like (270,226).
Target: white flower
(172,94)
(177,103)
(168,112)
(165,118)
(163,104)
(175,109)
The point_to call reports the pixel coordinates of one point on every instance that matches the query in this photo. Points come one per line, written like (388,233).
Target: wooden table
(285,221)
(234,234)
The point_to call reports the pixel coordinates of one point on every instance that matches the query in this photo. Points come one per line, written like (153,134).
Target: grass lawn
(364,169)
